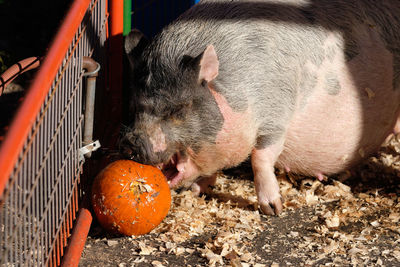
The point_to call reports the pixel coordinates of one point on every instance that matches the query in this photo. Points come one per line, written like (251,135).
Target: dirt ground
(351,219)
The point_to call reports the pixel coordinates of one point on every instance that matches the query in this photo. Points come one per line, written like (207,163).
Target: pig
(309,86)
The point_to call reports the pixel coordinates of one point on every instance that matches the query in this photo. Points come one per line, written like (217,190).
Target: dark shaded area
(8,104)
(28,27)
(150,16)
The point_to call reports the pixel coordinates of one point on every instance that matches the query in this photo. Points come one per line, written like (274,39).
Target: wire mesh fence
(39,204)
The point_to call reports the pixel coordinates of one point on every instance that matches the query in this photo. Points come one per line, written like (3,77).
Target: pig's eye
(182,110)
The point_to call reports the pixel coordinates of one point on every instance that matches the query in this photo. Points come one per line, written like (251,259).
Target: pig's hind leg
(267,187)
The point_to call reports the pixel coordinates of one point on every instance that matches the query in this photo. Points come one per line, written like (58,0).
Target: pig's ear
(134,44)
(209,64)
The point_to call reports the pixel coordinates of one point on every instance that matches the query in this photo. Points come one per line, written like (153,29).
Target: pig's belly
(331,133)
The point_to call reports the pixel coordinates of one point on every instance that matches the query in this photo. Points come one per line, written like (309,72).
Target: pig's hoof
(203,185)
(196,189)
(272,208)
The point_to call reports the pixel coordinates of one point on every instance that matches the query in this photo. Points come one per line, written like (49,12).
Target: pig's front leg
(203,184)
(267,187)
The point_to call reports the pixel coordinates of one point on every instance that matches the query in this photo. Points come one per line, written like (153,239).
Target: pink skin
(396,129)
(334,132)
(187,171)
(233,145)
(320,176)
(180,171)
(157,139)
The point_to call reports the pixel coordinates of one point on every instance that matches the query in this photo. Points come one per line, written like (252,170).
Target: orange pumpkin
(130,198)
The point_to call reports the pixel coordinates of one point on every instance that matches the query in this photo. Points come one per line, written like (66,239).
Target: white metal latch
(88,149)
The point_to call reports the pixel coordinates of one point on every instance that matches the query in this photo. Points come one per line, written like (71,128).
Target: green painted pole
(127,17)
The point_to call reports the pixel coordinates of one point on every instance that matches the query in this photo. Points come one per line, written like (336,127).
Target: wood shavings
(375,224)
(396,254)
(394,217)
(332,221)
(311,199)
(351,219)
(213,258)
(112,242)
(157,264)
(144,249)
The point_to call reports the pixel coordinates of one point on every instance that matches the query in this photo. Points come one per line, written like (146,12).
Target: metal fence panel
(40,201)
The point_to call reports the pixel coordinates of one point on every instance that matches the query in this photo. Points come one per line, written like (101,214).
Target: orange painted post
(115,69)
(78,239)
(116,18)
(11,73)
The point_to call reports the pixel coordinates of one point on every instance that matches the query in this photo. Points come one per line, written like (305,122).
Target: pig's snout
(137,149)
(141,150)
